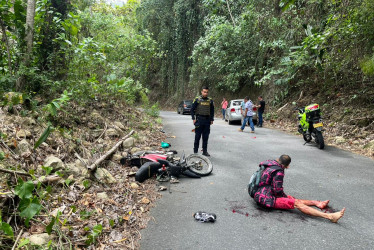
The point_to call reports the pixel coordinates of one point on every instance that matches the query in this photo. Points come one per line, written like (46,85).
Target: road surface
(340,176)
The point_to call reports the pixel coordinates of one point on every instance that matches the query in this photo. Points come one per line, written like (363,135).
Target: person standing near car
(261,110)
(202,113)
(242,109)
(248,115)
(224,107)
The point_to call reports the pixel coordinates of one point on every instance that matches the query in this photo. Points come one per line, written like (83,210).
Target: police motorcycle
(310,124)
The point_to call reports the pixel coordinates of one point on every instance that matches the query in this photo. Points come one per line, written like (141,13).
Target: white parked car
(233,112)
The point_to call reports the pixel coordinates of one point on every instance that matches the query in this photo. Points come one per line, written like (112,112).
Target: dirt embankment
(103,209)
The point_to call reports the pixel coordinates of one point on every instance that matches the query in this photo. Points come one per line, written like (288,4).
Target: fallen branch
(15,243)
(93,166)
(42,179)
(362,118)
(301,96)
(80,158)
(14,155)
(280,109)
(52,178)
(106,126)
(13,172)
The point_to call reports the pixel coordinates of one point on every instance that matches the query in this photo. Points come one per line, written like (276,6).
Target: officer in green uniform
(202,113)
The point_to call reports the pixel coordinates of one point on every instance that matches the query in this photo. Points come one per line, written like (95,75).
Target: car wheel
(230,122)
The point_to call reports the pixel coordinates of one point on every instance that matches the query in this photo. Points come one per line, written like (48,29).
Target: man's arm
(278,184)
(193,109)
(211,111)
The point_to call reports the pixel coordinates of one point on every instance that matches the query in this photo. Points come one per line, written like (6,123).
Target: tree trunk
(29,29)
(29,40)
(5,40)
(228,7)
(277,8)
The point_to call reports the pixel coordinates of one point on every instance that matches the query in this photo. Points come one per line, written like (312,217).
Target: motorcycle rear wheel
(147,170)
(319,140)
(199,164)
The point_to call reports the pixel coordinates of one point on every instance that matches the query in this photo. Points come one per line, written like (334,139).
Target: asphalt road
(346,179)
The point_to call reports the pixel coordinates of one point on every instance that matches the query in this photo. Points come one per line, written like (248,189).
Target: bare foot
(334,217)
(322,204)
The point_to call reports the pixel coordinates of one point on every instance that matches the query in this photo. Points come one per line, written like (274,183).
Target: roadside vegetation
(71,88)
(77,76)
(285,50)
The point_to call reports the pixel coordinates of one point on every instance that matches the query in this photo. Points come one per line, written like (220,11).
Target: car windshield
(236,103)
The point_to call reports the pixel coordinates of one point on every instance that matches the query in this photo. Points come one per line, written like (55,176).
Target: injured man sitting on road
(270,192)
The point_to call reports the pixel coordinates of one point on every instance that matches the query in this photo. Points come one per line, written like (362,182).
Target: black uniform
(203,112)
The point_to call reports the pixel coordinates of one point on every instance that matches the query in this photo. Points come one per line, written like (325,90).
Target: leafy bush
(154,110)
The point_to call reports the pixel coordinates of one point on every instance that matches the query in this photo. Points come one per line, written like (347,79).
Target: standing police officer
(202,113)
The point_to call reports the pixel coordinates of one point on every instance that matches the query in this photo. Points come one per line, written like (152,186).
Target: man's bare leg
(333,217)
(319,204)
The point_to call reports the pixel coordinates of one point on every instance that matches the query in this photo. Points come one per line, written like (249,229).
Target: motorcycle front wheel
(199,164)
(319,140)
(306,137)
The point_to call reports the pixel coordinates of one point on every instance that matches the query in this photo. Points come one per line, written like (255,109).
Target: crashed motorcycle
(310,124)
(193,166)
(139,158)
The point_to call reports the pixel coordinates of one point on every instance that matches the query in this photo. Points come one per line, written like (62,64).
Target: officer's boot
(206,153)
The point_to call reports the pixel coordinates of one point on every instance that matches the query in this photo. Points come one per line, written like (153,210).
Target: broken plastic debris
(165,145)
(205,217)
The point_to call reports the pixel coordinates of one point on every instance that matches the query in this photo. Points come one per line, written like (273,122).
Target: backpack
(255,180)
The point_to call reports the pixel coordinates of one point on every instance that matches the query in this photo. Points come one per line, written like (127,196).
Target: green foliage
(85,214)
(23,242)
(176,26)
(95,232)
(78,49)
(56,104)
(367,66)
(2,155)
(24,189)
(6,228)
(29,208)
(29,204)
(44,136)
(86,184)
(154,110)
(47,170)
(49,227)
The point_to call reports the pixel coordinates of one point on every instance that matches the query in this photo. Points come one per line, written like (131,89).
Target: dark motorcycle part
(188,173)
(319,140)
(147,170)
(174,170)
(137,162)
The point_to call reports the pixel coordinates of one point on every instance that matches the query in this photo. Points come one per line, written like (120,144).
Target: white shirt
(249,106)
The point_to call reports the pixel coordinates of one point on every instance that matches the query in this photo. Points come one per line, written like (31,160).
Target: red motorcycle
(139,158)
(166,167)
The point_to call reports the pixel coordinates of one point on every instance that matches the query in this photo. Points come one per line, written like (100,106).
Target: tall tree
(30,18)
